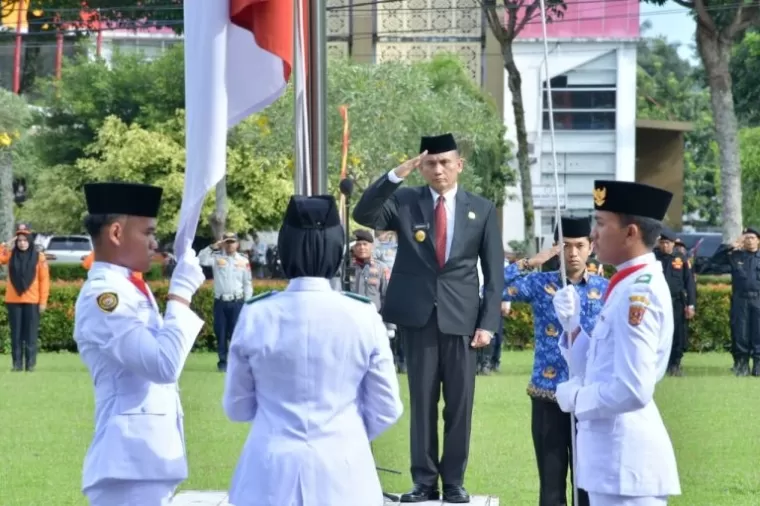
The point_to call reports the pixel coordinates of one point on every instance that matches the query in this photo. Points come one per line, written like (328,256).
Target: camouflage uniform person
(369,278)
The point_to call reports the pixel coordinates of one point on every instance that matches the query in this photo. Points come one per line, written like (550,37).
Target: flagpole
(317,95)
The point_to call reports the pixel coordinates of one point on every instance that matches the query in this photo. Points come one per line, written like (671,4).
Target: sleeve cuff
(393,178)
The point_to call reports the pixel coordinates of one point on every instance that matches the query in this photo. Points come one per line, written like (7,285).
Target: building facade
(592,76)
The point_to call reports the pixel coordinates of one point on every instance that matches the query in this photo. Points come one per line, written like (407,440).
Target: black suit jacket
(417,284)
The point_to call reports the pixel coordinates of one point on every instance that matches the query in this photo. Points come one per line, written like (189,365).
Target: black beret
(364,235)
(438,144)
(636,199)
(318,212)
(667,234)
(132,199)
(752,230)
(574,228)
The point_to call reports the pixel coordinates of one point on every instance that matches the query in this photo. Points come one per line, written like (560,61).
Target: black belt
(227,299)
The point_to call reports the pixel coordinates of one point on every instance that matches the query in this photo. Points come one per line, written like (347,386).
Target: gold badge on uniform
(108,301)
(419,235)
(512,291)
(600,196)
(550,289)
(677,263)
(594,294)
(551,331)
(549,372)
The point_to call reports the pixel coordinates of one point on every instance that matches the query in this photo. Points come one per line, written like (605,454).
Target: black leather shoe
(455,494)
(421,493)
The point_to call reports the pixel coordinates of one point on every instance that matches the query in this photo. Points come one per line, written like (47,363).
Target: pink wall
(591,18)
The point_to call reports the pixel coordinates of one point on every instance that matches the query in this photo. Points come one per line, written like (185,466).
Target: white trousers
(131,493)
(620,500)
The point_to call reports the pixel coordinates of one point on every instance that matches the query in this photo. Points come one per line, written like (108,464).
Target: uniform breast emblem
(550,289)
(549,372)
(551,331)
(108,301)
(419,235)
(677,263)
(594,294)
(512,291)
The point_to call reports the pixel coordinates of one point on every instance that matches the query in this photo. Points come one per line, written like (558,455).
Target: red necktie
(140,284)
(620,276)
(440,232)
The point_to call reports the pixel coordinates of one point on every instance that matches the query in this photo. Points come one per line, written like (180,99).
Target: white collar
(646,258)
(449,195)
(308,284)
(106,266)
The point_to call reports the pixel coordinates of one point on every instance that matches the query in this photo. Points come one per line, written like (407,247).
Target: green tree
(14,119)
(259,187)
(745,75)
(130,87)
(670,88)
(506,20)
(720,24)
(750,155)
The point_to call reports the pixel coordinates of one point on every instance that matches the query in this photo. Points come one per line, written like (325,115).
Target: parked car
(68,249)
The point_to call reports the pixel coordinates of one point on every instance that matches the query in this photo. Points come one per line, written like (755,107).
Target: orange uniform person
(26,295)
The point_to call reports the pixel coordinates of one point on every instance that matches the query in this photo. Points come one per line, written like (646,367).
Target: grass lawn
(713,419)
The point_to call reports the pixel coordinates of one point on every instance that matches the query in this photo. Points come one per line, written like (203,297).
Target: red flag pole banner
(238,60)
(344,158)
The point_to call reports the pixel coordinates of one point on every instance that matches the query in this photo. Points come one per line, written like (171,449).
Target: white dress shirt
(449,204)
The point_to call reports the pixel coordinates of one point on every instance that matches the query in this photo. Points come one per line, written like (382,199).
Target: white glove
(187,277)
(567,305)
(566,394)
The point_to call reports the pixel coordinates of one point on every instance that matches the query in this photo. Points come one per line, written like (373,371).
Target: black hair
(94,223)
(649,227)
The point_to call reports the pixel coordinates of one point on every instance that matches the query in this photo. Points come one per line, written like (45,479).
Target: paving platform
(201,498)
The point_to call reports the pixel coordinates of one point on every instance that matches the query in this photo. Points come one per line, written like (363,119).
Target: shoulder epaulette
(261,296)
(644,278)
(360,298)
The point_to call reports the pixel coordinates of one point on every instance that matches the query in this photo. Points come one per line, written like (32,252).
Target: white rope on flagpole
(303,165)
(561,235)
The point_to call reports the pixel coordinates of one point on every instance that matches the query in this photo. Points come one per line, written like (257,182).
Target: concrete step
(213,498)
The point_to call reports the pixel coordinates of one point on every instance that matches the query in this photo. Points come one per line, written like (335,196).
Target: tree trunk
(6,199)
(218,219)
(716,58)
(514,81)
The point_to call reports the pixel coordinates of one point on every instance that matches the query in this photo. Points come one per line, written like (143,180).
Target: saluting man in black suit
(433,298)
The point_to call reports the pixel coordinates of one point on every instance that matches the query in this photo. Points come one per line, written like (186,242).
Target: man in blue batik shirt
(549,425)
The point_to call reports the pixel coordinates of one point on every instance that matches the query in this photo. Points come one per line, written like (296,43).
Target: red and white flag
(238,60)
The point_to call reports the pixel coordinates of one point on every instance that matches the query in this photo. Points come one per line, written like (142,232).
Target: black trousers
(435,362)
(554,453)
(225,318)
(745,326)
(24,321)
(679,331)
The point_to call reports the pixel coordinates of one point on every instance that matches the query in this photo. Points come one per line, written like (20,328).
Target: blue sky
(674,22)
